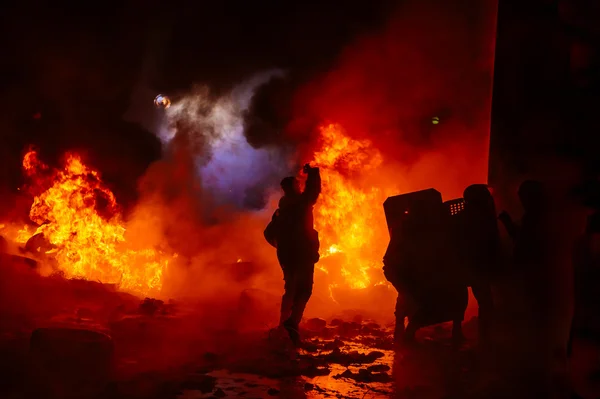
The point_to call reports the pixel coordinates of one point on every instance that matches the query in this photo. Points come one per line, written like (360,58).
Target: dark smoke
(432,59)
(270,112)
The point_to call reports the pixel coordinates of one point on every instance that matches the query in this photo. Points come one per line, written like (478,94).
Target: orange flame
(349,215)
(31,163)
(88,245)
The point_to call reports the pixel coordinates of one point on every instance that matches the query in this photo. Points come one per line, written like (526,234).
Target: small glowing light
(239,260)
(162,101)
(435,120)
(334,249)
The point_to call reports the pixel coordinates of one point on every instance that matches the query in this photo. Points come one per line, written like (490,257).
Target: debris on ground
(356,353)
(351,358)
(151,307)
(315,324)
(365,376)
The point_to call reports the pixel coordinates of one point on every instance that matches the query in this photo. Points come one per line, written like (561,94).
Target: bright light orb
(435,120)
(162,101)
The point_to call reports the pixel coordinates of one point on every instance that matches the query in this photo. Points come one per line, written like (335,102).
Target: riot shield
(422,254)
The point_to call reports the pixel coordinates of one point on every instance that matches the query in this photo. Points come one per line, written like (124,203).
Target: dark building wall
(545,91)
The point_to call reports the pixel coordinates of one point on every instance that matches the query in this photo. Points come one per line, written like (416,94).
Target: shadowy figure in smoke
(584,340)
(586,261)
(480,248)
(535,254)
(292,232)
(531,239)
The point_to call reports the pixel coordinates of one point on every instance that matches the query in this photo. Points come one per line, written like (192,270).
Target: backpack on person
(270,232)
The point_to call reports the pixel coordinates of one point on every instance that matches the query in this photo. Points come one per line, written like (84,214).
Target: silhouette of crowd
(438,250)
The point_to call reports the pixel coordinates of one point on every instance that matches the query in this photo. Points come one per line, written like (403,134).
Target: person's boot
(409,336)
(399,332)
(294,333)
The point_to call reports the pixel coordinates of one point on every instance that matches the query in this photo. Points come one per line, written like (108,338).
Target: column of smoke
(206,199)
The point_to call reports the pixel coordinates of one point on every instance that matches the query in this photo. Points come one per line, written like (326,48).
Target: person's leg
(462,295)
(482,291)
(411,308)
(400,314)
(411,330)
(457,334)
(302,294)
(287,300)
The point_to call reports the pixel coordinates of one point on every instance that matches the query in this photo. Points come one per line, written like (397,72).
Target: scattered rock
(378,368)
(335,344)
(273,392)
(316,324)
(373,326)
(336,322)
(386,343)
(346,359)
(308,386)
(38,244)
(152,307)
(365,376)
(219,393)
(349,330)
(315,371)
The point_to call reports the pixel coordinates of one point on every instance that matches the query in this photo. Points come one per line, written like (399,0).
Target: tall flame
(349,215)
(79,216)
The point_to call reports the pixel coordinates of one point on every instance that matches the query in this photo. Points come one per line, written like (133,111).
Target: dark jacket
(479,242)
(297,240)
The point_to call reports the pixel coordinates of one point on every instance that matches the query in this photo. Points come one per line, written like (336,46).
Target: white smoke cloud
(229,168)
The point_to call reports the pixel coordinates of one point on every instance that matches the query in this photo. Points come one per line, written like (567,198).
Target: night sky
(76,66)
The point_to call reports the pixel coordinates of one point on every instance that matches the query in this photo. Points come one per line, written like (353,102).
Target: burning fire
(79,217)
(349,215)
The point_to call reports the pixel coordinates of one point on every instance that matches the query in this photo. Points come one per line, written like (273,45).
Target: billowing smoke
(433,60)
(223,153)
(227,166)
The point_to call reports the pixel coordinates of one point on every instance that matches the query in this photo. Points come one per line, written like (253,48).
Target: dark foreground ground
(61,338)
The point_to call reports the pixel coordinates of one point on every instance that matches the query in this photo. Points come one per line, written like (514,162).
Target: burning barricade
(78,229)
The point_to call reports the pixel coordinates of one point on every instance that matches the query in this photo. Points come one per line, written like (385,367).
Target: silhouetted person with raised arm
(297,244)
(480,250)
